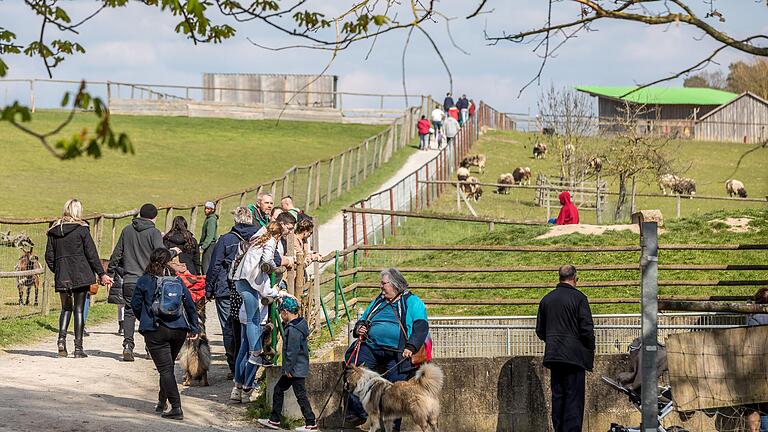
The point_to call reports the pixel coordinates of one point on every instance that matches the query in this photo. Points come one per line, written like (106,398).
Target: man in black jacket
(136,243)
(447,102)
(564,323)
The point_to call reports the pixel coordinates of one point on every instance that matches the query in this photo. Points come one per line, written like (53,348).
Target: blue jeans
(86,307)
(763,423)
(436,125)
(379,360)
(252,301)
(423,141)
(245,373)
(464,115)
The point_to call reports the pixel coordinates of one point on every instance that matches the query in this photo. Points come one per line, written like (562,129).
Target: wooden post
(341,175)
(273,189)
(392,208)
(549,210)
(365,161)
(193,219)
(677,205)
(168,219)
(309,186)
(114,234)
(365,227)
(490,226)
(330,180)
(284,189)
(345,242)
(428,185)
(354,228)
(598,206)
(417,191)
(317,184)
(349,171)
(99,229)
(632,207)
(458,196)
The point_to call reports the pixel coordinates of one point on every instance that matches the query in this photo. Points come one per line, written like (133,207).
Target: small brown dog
(419,397)
(195,360)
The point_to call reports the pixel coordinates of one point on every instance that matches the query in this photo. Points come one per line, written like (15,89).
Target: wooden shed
(744,119)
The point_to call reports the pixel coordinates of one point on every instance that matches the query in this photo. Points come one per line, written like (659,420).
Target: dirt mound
(561,230)
(737,225)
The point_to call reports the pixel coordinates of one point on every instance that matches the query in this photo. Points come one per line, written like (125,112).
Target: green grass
(15,331)
(711,163)
(178,160)
(687,230)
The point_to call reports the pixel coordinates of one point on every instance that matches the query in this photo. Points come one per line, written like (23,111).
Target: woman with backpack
(250,272)
(181,237)
(72,256)
(167,316)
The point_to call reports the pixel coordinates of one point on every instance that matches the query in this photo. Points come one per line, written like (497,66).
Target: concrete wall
(497,394)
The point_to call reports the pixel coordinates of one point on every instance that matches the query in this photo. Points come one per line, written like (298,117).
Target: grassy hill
(701,229)
(711,163)
(177,160)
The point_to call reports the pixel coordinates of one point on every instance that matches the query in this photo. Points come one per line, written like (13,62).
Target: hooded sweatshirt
(136,243)
(71,255)
(189,254)
(296,349)
(223,254)
(569,214)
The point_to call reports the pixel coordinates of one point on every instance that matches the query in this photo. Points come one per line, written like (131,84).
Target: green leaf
(65,100)
(3,68)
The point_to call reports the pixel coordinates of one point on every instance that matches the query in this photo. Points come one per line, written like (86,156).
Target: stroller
(629,384)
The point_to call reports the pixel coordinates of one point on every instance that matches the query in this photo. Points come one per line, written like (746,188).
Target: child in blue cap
(295,367)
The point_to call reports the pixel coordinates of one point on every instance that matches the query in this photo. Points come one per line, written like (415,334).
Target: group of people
(445,121)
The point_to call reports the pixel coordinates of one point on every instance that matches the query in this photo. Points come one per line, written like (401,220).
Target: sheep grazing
(540,151)
(474,160)
(677,185)
(472,189)
(522,175)
(506,178)
(735,187)
(548,131)
(462,174)
(595,165)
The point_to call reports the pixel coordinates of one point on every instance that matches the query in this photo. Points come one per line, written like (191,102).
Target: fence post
(168,219)
(193,219)
(341,175)
(649,306)
(365,162)
(365,230)
(330,180)
(598,206)
(354,228)
(309,186)
(114,234)
(317,184)
(416,198)
(677,205)
(428,185)
(392,209)
(349,170)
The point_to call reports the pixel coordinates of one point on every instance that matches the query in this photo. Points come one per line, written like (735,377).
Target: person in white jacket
(253,283)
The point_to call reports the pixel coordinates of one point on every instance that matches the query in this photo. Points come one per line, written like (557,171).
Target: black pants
(164,345)
(567,398)
(224,312)
(73,301)
(301,397)
(129,318)
(206,261)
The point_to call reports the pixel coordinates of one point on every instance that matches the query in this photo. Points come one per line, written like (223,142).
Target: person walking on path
(451,128)
(264,205)
(208,237)
(164,335)
(71,255)
(569,214)
(472,108)
(463,105)
(423,127)
(564,323)
(295,368)
(217,285)
(437,118)
(180,237)
(448,102)
(132,252)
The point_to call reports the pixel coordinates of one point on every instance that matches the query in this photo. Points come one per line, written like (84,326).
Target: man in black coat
(564,323)
(447,102)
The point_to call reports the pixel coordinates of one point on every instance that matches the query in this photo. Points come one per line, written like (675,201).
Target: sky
(138,44)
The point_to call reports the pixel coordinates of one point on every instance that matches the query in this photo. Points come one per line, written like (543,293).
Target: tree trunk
(622,197)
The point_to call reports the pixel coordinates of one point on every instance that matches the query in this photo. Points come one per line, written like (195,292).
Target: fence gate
(585,194)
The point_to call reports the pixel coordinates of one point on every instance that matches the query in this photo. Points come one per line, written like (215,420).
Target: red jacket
(471,108)
(453,112)
(195,284)
(423,126)
(569,214)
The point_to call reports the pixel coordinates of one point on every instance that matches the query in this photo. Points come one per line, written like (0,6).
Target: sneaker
(128,355)
(245,396)
(267,423)
(236,395)
(256,359)
(306,428)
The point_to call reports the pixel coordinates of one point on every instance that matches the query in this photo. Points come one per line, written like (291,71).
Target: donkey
(27,261)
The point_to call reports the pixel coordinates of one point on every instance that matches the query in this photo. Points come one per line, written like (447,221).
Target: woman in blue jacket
(164,337)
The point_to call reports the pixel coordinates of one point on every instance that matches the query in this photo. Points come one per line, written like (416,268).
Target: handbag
(93,289)
(424,354)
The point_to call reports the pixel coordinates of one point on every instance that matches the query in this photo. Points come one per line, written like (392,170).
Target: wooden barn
(744,119)
(668,111)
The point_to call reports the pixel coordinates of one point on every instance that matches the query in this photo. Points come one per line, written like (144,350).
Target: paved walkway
(42,392)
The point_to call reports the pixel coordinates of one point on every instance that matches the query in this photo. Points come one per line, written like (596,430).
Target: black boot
(160,407)
(175,413)
(64,317)
(79,353)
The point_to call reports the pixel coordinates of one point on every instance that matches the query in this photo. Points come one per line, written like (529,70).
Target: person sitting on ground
(757,414)
(437,117)
(264,205)
(390,331)
(569,214)
(423,127)
(164,335)
(181,237)
(295,367)
(286,204)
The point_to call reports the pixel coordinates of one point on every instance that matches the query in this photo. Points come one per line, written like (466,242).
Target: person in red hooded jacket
(569,214)
(424,127)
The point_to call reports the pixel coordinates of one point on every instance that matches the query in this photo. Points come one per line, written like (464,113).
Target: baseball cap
(210,205)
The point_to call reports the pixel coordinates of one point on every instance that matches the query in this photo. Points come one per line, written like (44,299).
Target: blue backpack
(168,301)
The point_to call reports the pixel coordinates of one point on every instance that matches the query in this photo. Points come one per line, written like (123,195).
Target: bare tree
(566,118)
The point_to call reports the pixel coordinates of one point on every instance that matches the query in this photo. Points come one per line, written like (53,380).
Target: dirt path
(42,392)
